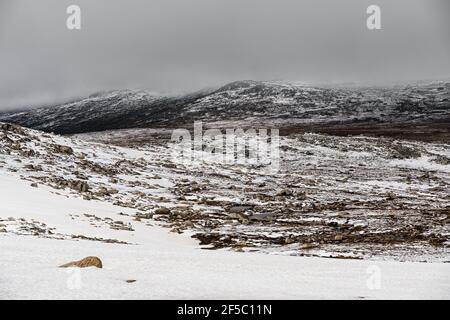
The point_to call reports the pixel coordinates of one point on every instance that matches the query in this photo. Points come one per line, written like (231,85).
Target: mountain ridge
(246,102)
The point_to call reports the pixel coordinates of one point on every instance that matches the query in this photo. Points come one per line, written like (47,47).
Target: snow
(422,163)
(169,266)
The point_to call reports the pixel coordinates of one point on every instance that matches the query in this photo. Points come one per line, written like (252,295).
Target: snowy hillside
(351,197)
(111,107)
(64,199)
(251,103)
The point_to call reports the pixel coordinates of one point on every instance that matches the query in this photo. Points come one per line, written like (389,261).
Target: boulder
(285,193)
(162,211)
(81,186)
(239,209)
(63,149)
(338,237)
(84,263)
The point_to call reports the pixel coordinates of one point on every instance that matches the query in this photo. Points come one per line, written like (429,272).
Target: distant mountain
(91,113)
(283,104)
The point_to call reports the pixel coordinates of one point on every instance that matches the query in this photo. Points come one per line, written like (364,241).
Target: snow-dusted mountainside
(279,100)
(97,112)
(359,200)
(286,105)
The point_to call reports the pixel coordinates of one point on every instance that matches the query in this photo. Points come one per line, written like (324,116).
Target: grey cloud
(182,45)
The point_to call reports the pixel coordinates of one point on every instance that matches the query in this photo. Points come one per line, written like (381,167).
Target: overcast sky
(172,46)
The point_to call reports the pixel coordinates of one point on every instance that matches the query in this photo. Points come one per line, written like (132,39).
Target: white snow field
(171,266)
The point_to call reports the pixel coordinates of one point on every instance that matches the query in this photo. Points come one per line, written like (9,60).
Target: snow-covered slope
(325,104)
(63,199)
(89,113)
(251,103)
(169,266)
(166,266)
(339,197)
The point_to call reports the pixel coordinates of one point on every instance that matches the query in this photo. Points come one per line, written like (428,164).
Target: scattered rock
(12,128)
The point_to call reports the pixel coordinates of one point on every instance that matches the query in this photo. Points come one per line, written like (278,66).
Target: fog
(174,46)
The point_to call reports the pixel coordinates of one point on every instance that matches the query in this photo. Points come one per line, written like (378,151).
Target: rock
(338,237)
(130,281)
(264,197)
(82,186)
(242,218)
(301,195)
(440,159)
(162,211)
(211,202)
(63,149)
(144,216)
(32,167)
(84,263)
(284,193)
(207,238)
(307,246)
(405,152)
(239,209)
(391,195)
(13,128)
(288,240)
(266,216)
(34,185)
(102,191)
(176,230)
(77,185)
